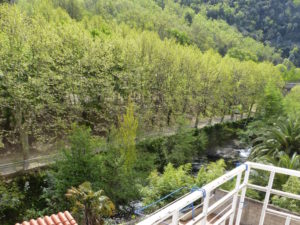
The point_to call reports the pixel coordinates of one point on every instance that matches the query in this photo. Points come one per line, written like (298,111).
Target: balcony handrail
(172,211)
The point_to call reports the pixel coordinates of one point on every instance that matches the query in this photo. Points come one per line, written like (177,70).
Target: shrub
(291,186)
(77,163)
(210,172)
(11,202)
(93,206)
(162,184)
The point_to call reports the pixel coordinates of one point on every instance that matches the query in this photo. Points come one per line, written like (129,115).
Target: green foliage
(162,184)
(180,180)
(109,172)
(75,61)
(211,172)
(22,198)
(155,146)
(182,147)
(117,165)
(180,37)
(77,163)
(253,194)
(250,132)
(87,74)
(281,136)
(297,2)
(292,186)
(242,54)
(90,205)
(289,72)
(291,102)
(282,160)
(188,144)
(271,104)
(169,19)
(11,202)
(73,7)
(219,134)
(126,136)
(273,22)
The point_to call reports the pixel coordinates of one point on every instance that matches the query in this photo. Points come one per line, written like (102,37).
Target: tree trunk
(232,115)
(23,136)
(169,117)
(222,119)
(86,216)
(25,147)
(197,118)
(184,108)
(250,110)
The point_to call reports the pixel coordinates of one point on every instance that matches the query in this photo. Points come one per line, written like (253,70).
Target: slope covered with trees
(56,71)
(109,70)
(170,20)
(271,21)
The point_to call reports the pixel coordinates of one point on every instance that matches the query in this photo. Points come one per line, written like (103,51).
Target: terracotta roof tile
(33,222)
(59,219)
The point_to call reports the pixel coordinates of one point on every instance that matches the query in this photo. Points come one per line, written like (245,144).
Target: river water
(233,156)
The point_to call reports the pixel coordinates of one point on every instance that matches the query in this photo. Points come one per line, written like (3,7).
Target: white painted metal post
(267,197)
(173,210)
(235,197)
(242,198)
(288,220)
(175,217)
(205,207)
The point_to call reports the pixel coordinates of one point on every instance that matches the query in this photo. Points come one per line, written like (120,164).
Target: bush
(155,147)
(117,166)
(219,134)
(120,185)
(271,104)
(179,149)
(162,184)
(209,173)
(291,186)
(11,203)
(77,163)
(173,179)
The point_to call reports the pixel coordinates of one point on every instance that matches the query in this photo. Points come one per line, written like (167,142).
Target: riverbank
(12,162)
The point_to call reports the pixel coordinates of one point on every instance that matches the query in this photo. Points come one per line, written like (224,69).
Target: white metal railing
(172,214)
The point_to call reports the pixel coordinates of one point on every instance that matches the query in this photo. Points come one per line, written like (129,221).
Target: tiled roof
(59,219)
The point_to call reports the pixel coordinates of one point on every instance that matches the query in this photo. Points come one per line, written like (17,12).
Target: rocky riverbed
(232,152)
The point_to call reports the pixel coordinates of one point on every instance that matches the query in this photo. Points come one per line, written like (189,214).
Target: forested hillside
(90,79)
(56,71)
(270,21)
(170,20)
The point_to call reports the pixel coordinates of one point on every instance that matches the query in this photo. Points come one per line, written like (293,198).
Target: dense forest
(84,70)
(89,77)
(273,21)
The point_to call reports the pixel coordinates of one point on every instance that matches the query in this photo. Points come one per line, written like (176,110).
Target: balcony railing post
(175,217)
(267,197)
(243,194)
(235,197)
(173,210)
(288,220)
(205,208)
